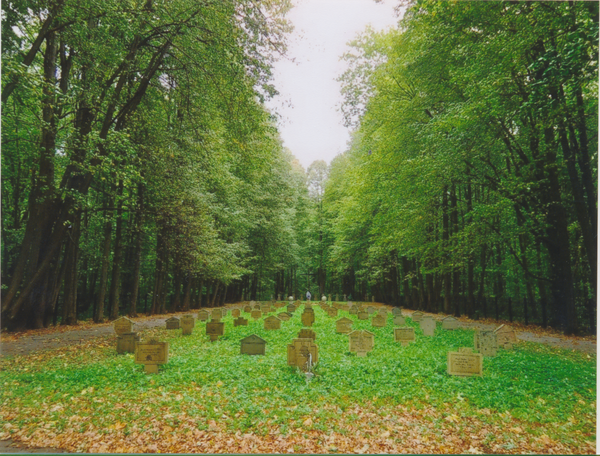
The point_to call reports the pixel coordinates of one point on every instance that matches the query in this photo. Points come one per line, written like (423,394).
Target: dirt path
(47,339)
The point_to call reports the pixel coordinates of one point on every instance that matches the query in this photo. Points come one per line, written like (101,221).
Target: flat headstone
(302,353)
(272,323)
(371,310)
(214,329)
(343,325)
(240,321)
(123,325)
(216,314)
(404,335)
(172,323)
(379,321)
(151,354)
(256,314)
(399,320)
(363,315)
(397,311)
(428,326)
(417,316)
(486,342)
(284,316)
(252,345)
(361,342)
(450,323)
(306,333)
(465,363)
(506,337)
(247,309)
(235,313)
(126,342)
(203,315)
(187,324)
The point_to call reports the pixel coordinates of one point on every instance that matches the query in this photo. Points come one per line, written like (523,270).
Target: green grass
(212,381)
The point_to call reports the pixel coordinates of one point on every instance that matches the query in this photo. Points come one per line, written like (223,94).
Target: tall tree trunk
(137,255)
(115,283)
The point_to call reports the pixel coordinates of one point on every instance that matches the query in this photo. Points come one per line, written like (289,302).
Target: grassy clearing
(88,398)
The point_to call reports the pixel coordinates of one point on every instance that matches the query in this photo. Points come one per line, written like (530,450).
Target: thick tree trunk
(115,283)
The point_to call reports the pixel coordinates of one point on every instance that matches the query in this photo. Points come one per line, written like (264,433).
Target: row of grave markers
(463,362)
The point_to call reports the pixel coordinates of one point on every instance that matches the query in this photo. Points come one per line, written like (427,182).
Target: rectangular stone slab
(152,352)
(215,328)
(404,335)
(123,325)
(486,342)
(379,321)
(361,342)
(240,321)
(417,316)
(428,326)
(187,324)
(343,325)
(126,342)
(203,315)
(464,363)
(256,314)
(298,353)
(173,323)
(399,320)
(272,323)
(252,345)
(449,323)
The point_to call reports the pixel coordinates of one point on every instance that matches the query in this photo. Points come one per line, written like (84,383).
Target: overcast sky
(311,125)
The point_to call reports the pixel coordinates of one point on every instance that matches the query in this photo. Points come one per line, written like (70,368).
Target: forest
(142,172)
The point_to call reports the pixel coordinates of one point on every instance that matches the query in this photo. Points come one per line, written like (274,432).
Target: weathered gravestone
(399,320)
(506,337)
(151,354)
(187,324)
(126,342)
(486,342)
(361,342)
(329,298)
(362,314)
(203,315)
(404,335)
(214,329)
(307,334)
(173,323)
(256,314)
(235,313)
(332,312)
(302,353)
(371,310)
(247,309)
(379,321)
(372,298)
(383,311)
(256,307)
(450,323)
(265,308)
(464,362)
(308,317)
(428,326)
(123,325)
(337,297)
(290,308)
(252,303)
(353,310)
(279,305)
(284,316)
(397,311)
(343,325)
(417,316)
(272,323)
(240,321)
(216,315)
(252,345)
(345,298)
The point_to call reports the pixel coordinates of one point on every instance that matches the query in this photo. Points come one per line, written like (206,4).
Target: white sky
(309,96)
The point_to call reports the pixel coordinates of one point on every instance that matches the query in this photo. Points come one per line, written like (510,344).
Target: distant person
(308,295)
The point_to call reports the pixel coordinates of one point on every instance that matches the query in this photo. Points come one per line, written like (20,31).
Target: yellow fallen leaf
(307,422)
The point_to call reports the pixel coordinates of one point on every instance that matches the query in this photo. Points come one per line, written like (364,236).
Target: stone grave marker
(371,310)
(450,323)
(126,342)
(203,315)
(428,326)
(343,325)
(302,353)
(216,315)
(324,298)
(399,320)
(353,310)
(332,312)
(172,323)
(344,307)
(256,314)
(361,342)
(272,323)
(256,307)
(252,345)
(306,333)
(290,308)
(235,313)
(247,309)
(404,335)
(308,317)
(252,303)
(337,297)
(345,298)
(506,337)
(363,314)
(329,298)
(465,363)
(279,305)
(214,329)
(379,321)
(372,298)
(151,354)
(284,316)
(187,324)
(265,308)
(123,325)
(240,321)
(383,311)
(397,311)
(486,342)
(417,316)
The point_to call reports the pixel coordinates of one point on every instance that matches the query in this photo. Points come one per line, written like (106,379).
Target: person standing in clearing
(308,295)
